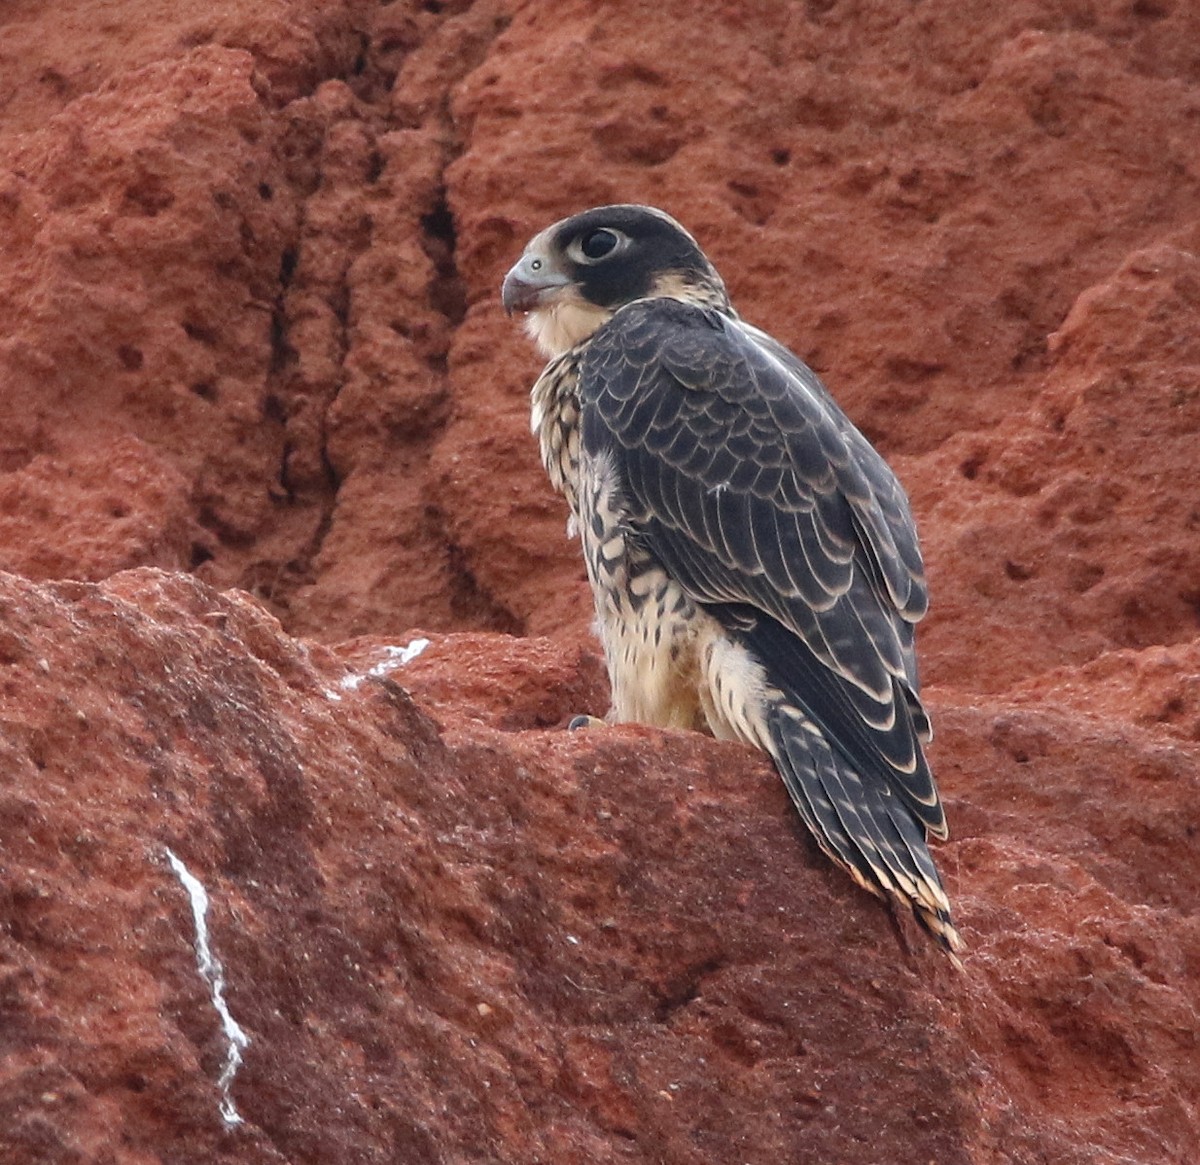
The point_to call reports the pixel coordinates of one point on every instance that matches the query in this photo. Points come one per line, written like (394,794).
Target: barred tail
(860,822)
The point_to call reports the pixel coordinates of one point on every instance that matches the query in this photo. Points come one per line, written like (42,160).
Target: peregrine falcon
(753,559)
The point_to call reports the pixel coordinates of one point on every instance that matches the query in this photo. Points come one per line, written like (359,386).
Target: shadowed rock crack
(687,987)
(333,172)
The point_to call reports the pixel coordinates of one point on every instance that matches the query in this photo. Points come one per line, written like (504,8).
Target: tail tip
(944,933)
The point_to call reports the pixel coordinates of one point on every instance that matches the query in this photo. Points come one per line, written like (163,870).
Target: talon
(578,722)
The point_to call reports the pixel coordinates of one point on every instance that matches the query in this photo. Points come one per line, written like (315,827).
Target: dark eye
(598,244)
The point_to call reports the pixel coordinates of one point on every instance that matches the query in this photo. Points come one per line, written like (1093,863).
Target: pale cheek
(559,327)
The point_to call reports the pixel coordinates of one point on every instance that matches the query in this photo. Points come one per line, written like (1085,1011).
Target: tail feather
(860,823)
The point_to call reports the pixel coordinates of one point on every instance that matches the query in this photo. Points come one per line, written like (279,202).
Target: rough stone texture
(454,936)
(249,256)
(1073,528)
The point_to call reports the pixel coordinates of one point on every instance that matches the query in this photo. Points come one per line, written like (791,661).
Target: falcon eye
(598,244)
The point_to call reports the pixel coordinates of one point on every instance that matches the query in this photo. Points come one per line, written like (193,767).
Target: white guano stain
(213,974)
(394,657)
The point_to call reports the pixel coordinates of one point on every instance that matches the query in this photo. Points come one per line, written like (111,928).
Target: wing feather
(761,499)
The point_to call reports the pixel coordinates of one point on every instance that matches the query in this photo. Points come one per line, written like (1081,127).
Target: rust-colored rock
(1071,530)
(450,933)
(915,202)
(249,256)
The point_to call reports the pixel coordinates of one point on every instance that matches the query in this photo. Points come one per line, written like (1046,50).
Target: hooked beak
(530,283)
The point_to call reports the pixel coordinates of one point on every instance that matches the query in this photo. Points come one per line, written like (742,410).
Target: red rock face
(249,260)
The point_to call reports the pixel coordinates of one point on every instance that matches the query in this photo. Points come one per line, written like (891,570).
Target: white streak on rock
(394,657)
(213,974)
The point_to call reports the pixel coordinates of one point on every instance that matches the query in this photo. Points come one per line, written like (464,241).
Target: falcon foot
(578,722)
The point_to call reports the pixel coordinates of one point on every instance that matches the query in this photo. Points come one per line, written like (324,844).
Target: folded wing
(755,492)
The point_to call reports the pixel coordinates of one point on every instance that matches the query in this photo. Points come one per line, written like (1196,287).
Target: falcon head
(577,273)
